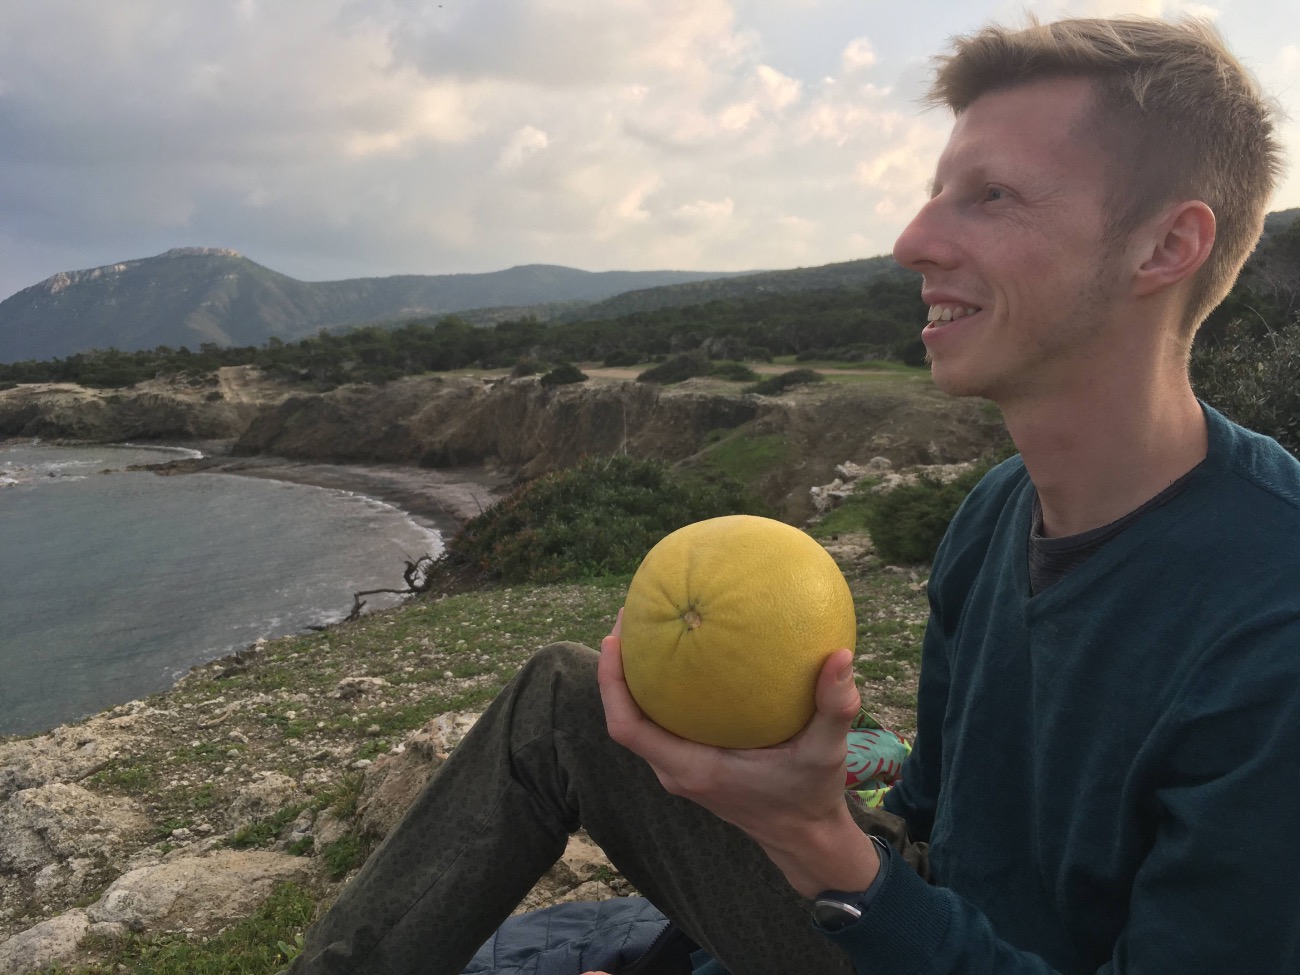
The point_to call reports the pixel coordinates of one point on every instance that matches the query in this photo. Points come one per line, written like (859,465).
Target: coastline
(433,500)
(441,499)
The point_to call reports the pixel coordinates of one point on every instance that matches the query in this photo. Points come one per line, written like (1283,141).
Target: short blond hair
(1181,117)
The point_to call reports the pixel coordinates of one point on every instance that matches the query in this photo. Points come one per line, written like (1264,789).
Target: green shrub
(597,518)
(528,367)
(736,372)
(565,374)
(1250,375)
(676,369)
(623,357)
(907,523)
(776,385)
(343,855)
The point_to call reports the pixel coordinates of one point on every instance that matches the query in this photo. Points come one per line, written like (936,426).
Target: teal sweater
(1108,773)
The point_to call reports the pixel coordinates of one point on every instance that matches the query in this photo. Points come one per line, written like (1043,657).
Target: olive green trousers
(538,765)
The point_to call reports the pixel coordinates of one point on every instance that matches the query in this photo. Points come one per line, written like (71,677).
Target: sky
(331,139)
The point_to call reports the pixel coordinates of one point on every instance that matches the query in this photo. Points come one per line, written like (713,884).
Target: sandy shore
(442,499)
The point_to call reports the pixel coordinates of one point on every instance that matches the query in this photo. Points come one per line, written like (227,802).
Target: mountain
(758,284)
(193,295)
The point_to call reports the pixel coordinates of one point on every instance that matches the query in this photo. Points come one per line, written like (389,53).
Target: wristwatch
(835,910)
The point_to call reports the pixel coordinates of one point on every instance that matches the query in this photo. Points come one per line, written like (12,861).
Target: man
(1106,774)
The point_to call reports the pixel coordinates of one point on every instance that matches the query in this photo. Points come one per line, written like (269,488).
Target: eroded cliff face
(516,424)
(216,408)
(781,446)
(524,429)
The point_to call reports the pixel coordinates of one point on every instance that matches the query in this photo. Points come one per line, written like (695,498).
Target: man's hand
(789,798)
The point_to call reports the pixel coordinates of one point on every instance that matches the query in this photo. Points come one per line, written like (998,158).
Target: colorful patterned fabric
(875,759)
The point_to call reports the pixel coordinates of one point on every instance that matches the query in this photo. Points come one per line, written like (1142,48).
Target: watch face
(830,914)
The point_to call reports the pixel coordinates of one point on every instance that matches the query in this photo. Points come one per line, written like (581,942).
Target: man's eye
(994,193)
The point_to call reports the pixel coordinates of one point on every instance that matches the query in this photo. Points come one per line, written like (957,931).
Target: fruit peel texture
(772,604)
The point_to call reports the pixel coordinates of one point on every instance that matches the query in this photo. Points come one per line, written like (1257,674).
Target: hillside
(828,277)
(189,296)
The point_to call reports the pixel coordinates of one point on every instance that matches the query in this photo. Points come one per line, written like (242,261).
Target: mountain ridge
(191,295)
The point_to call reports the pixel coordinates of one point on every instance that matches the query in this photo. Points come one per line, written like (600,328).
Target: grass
(186,774)
(747,458)
(872,370)
(263,832)
(258,945)
(850,515)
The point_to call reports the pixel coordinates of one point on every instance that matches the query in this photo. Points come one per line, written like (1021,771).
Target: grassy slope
(450,654)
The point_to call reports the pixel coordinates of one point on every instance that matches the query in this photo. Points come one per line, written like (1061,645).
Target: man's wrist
(835,910)
(830,856)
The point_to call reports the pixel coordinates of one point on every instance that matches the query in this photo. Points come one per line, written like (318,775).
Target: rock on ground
(48,943)
(395,779)
(57,822)
(263,798)
(192,894)
(198,893)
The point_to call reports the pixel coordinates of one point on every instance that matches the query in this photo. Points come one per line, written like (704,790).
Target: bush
(676,369)
(623,357)
(736,372)
(564,374)
(1249,374)
(776,385)
(907,523)
(528,367)
(597,518)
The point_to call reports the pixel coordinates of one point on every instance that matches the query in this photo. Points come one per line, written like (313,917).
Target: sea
(114,583)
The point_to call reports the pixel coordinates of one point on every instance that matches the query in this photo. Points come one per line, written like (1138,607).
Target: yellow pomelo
(726,626)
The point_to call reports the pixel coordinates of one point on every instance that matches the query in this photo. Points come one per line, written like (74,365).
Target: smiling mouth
(949,313)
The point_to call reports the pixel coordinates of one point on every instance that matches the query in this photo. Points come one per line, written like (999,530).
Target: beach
(443,499)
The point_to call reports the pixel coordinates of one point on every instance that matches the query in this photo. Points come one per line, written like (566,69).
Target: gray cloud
(337,138)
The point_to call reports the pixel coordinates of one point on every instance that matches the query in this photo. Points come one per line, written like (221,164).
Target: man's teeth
(946,313)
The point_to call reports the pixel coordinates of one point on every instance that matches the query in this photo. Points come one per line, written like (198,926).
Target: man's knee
(563,657)
(560,679)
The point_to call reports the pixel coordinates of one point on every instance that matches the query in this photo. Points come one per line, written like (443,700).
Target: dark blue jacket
(576,937)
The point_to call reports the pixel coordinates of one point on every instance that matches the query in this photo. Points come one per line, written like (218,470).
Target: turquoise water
(112,585)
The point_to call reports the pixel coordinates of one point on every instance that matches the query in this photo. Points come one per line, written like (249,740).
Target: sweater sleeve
(1219,889)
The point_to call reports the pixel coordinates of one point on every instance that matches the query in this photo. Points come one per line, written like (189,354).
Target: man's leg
(495,817)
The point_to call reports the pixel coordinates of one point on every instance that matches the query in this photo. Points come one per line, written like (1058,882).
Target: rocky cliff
(780,445)
(217,407)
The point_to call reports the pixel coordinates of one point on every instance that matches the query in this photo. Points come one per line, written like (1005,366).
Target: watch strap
(834,910)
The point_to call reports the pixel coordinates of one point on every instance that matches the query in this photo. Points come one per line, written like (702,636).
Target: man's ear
(1179,242)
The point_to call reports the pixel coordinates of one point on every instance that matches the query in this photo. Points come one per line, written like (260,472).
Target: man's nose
(923,242)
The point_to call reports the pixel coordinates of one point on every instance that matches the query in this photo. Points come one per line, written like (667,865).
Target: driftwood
(418,576)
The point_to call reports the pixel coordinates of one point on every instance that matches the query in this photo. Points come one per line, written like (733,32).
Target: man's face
(1020,287)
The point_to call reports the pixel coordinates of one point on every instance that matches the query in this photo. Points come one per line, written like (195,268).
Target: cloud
(523,144)
(858,55)
(346,137)
(1054,9)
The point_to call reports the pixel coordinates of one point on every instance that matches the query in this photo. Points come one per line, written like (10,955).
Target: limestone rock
(827,496)
(70,752)
(582,873)
(56,822)
(328,828)
(198,893)
(583,857)
(394,780)
(49,943)
(263,798)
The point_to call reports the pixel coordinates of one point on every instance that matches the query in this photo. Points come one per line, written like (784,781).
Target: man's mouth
(948,313)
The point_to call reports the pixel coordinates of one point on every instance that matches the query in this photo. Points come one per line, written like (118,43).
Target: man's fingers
(838,701)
